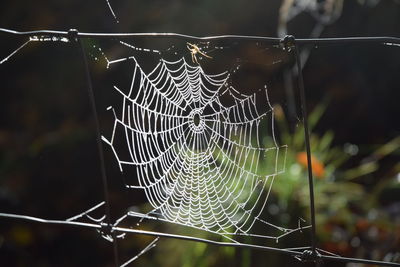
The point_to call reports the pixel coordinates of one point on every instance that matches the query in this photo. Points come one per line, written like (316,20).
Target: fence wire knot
(288,42)
(106,229)
(73,35)
(309,256)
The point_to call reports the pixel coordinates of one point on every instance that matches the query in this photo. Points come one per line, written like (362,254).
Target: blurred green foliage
(350,219)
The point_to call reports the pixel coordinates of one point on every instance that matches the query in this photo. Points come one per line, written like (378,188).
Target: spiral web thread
(196,158)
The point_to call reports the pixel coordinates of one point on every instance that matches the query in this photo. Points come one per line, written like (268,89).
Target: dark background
(47,131)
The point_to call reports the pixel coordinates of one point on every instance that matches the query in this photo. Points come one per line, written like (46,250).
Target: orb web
(195,145)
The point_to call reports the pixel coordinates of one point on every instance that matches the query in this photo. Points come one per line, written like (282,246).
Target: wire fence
(110,229)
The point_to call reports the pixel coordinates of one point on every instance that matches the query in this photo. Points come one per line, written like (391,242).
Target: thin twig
(147,248)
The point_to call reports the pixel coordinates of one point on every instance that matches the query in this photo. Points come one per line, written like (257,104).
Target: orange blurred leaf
(318,167)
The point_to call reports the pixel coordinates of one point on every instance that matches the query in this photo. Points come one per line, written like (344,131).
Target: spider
(194,49)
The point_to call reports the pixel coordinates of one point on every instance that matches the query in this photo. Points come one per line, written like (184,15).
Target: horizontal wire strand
(316,41)
(290,251)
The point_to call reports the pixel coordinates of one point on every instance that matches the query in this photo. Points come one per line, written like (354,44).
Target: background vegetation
(48,163)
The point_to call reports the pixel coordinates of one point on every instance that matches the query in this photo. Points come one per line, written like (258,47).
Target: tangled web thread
(195,157)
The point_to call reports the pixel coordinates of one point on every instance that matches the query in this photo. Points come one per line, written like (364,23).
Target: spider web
(194,143)
(203,152)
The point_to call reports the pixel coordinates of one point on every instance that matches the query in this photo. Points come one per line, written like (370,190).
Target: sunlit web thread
(196,158)
(112,11)
(35,39)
